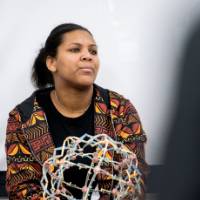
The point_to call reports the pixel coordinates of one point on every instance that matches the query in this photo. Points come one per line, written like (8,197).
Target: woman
(67,103)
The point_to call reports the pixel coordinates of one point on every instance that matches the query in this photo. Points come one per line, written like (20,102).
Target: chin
(84,85)
(86,82)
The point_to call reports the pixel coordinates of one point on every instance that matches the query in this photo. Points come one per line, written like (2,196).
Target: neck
(72,102)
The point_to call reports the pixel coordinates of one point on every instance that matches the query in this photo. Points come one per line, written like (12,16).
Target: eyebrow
(79,44)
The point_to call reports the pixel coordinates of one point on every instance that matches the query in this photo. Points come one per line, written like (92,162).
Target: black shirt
(61,127)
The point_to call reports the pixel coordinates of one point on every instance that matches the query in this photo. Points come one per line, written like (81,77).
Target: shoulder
(112,94)
(121,104)
(119,100)
(26,107)
(116,95)
(23,108)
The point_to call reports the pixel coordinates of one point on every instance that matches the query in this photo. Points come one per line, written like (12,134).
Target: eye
(74,50)
(93,51)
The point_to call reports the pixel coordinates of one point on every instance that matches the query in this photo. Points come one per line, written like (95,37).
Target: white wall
(139,41)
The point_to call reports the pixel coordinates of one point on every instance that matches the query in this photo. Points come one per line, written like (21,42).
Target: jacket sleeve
(130,132)
(23,171)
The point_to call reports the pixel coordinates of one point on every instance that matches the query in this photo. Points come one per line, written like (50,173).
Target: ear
(51,63)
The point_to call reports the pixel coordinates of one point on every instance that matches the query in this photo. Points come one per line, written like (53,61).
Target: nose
(86,56)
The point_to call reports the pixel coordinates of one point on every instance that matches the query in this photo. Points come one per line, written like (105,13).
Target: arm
(23,171)
(131,134)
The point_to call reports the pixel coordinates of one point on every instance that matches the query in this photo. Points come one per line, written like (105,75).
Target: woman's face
(76,63)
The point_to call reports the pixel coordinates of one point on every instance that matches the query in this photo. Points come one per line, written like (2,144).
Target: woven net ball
(110,162)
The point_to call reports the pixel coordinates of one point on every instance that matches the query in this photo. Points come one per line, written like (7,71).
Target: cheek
(97,63)
(66,64)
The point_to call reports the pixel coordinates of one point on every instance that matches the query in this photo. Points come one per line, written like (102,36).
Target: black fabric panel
(2,184)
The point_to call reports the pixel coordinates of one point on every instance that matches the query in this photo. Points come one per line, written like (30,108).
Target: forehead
(78,36)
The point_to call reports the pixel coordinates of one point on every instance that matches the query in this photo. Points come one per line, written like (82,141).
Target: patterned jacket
(29,142)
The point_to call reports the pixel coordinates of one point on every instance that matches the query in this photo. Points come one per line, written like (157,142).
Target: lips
(87,69)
